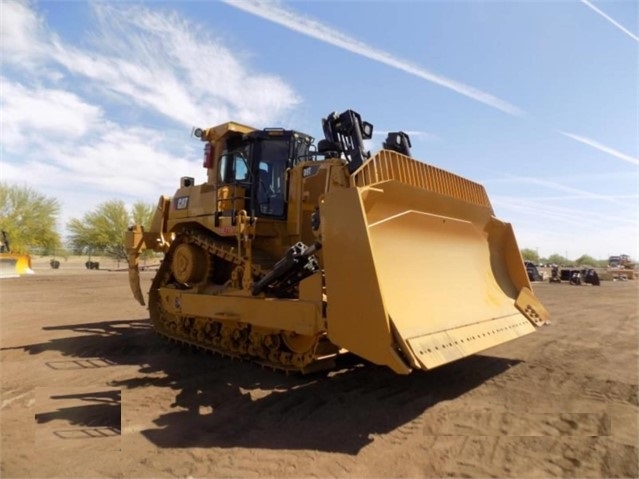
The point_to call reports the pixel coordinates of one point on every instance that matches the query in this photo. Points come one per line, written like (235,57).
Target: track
(223,269)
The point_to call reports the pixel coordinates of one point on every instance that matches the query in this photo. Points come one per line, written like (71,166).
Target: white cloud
(57,132)
(60,139)
(276,13)
(156,60)
(153,60)
(107,162)
(21,34)
(28,115)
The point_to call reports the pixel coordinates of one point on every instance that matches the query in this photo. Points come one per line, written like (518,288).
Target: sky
(536,100)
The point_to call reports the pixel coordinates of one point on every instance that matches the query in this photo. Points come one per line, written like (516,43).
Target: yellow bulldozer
(12,264)
(291,254)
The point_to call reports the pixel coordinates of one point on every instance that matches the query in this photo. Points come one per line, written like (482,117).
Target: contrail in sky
(600,147)
(574,216)
(558,187)
(611,20)
(273,12)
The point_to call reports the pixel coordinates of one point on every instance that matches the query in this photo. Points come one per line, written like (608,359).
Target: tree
(28,218)
(559,260)
(530,255)
(103,230)
(585,260)
(142,214)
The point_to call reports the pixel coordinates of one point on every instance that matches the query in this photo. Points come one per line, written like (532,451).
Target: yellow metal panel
(216,132)
(12,264)
(357,319)
(389,165)
(158,223)
(408,266)
(435,349)
(230,197)
(530,306)
(302,317)
(436,273)
(23,264)
(311,288)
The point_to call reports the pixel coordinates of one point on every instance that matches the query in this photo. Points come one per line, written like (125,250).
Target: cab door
(234,183)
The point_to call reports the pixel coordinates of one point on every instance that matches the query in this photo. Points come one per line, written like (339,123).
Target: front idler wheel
(189,264)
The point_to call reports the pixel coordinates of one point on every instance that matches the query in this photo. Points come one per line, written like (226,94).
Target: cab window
(271,178)
(233,168)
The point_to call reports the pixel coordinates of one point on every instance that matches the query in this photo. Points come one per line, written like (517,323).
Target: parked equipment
(554,274)
(621,261)
(532,271)
(577,276)
(12,264)
(621,267)
(290,254)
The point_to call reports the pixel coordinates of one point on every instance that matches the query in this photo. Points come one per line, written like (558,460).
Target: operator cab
(254,167)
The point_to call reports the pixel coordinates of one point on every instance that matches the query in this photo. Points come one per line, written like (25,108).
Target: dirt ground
(88,390)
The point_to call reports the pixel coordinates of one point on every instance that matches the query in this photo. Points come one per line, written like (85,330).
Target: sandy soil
(88,390)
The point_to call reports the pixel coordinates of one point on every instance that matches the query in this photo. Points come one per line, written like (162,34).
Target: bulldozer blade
(13,265)
(8,268)
(416,278)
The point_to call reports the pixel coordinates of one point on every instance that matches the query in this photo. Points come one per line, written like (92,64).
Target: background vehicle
(621,261)
(621,267)
(579,276)
(12,264)
(290,254)
(532,271)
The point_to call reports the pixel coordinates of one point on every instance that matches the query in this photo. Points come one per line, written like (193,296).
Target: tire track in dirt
(559,381)
(207,416)
(568,443)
